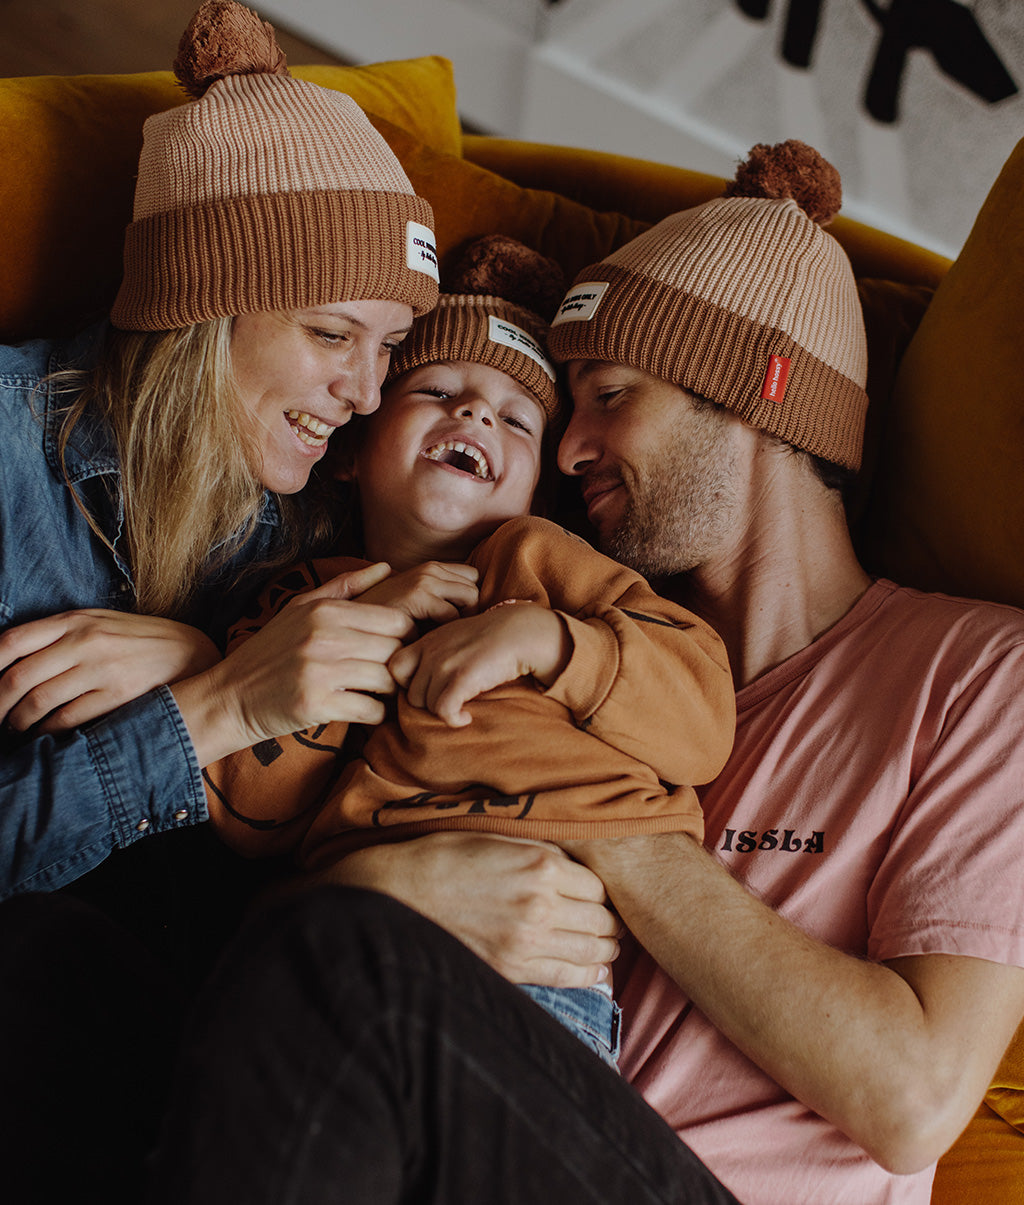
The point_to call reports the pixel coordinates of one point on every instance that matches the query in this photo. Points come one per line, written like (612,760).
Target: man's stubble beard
(679,505)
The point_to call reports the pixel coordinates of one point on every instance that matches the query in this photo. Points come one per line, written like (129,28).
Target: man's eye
(329,337)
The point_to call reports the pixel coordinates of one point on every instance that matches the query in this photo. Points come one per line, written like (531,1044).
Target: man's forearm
(890,1058)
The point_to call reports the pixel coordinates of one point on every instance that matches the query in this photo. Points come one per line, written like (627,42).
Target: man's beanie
(265,193)
(502,293)
(744,300)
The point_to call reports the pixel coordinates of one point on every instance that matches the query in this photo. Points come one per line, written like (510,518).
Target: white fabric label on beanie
(420,249)
(581,302)
(510,335)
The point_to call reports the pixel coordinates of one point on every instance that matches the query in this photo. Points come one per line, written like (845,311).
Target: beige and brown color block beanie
(745,300)
(265,193)
(496,314)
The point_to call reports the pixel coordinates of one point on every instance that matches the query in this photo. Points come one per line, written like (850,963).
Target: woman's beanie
(493,315)
(744,300)
(265,193)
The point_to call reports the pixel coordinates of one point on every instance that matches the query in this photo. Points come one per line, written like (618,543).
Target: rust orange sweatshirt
(643,711)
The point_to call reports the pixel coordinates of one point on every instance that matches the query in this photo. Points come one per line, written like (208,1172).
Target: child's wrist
(559,646)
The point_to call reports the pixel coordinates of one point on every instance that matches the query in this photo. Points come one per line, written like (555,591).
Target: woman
(275,258)
(154,470)
(277,252)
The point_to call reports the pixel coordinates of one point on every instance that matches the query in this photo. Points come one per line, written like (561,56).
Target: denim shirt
(67,801)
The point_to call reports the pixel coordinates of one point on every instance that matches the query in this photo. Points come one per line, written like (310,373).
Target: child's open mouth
(461,456)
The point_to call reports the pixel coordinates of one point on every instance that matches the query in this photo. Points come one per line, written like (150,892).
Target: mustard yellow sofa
(940,501)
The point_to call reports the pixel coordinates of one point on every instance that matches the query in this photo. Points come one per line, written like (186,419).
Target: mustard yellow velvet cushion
(69,149)
(946,512)
(470,201)
(948,508)
(650,191)
(986,1164)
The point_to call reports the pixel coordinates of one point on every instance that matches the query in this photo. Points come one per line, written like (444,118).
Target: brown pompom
(791,169)
(226,38)
(499,266)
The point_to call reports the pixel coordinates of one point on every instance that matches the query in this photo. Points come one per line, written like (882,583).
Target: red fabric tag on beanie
(774,387)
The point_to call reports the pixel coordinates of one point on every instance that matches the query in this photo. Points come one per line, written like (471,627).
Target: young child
(557,697)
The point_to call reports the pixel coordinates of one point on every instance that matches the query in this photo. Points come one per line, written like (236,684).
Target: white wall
(697,82)
(490,54)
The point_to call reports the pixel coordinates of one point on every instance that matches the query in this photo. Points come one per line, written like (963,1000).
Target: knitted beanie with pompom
(265,193)
(500,296)
(745,300)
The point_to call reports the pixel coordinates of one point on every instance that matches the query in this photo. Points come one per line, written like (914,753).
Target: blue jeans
(588,1012)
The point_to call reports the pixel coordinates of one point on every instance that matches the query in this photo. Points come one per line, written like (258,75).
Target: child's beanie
(265,192)
(495,313)
(744,300)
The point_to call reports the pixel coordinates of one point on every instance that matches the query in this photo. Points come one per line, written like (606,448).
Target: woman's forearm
(67,800)
(322,659)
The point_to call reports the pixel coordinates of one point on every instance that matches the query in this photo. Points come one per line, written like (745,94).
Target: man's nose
(575,450)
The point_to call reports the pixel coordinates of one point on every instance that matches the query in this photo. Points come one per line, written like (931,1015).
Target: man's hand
(67,669)
(522,906)
(446,668)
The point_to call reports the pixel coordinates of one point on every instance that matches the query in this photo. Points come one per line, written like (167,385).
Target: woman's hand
(446,668)
(522,906)
(322,658)
(64,670)
(436,591)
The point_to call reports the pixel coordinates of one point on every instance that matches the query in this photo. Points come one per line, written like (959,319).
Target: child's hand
(433,590)
(447,667)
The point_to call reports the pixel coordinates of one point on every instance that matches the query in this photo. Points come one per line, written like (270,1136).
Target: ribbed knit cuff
(482,330)
(279,251)
(719,355)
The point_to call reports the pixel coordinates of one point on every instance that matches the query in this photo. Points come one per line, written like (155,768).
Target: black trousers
(95,984)
(346,1049)
(89,1022)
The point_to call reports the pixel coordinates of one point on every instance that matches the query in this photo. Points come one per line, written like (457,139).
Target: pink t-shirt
(875,797)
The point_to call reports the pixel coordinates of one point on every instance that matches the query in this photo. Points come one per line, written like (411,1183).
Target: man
(854,955)
(817,999)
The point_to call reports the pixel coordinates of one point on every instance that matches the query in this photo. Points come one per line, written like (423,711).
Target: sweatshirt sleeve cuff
(587,678)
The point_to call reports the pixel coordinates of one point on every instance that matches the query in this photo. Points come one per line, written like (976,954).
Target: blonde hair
(190,473)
